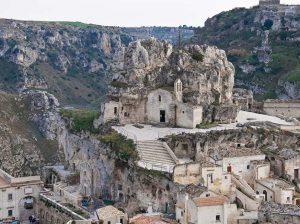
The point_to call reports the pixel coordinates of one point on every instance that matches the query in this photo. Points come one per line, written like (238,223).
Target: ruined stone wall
(132,111)
(275,213)
(48,214)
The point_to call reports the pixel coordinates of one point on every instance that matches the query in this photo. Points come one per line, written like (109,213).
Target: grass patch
(293,76)
(78,24)
(124,148)
(80,120)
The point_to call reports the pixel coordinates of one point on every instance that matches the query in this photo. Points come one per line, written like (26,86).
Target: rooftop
(274,182)
(149,219)
(4,183)
(209,201)
(7,180)
(108,212)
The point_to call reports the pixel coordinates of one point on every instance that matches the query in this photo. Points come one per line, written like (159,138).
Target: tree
(268,24)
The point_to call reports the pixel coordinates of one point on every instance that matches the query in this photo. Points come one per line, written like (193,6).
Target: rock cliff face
(206,74)
(104,176)
(69,60)
(23,149)
(263,44)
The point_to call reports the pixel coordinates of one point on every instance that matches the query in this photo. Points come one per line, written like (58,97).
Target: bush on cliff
(80,120)
(124,148)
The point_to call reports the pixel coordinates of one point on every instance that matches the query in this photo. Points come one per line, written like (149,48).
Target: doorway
(162,116)
(266,195)
(296,174)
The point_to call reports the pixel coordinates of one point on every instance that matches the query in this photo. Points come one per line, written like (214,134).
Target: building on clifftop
(269,2)
(155,84)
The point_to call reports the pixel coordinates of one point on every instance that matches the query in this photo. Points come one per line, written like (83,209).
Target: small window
(120,187)
(207,195)
(159,98)
(257,192)
(115,110)
(225,177)
(183,112)
(121,221)
(181,213)
(248,167)
(218,218)
(10,213)
(288,198)
(10,197)
(238,145)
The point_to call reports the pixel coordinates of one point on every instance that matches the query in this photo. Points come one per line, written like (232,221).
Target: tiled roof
(209,201)
(147,219)
(108,211)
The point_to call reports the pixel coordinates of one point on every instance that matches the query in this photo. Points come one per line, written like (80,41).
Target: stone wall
(286,108)
(160,100)
(275,213)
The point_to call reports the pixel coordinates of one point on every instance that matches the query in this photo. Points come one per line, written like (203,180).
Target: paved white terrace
(150,132)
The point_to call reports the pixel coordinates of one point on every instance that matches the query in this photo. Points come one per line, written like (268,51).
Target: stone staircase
(155,155)
(243,185)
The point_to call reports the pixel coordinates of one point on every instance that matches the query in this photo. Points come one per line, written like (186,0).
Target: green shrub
(80,120)
(119,84)
(124,148)
(206,125)
(268,24)
(197,56)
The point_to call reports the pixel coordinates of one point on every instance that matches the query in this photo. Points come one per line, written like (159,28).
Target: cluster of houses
(224,187)
(230,187)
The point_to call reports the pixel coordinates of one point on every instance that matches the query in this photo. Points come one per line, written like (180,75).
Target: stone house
(241,161)
(18,196)
(207,208)
(275,190)
(160,106)
(111,215)
(206,174)
(286,163)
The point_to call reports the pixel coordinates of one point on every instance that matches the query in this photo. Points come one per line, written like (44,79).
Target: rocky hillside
(23,148)
(263,44)
(68,59)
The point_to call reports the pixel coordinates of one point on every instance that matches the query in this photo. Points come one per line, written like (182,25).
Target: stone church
(160,106)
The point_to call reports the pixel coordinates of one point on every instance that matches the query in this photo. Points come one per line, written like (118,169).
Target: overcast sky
(122,12)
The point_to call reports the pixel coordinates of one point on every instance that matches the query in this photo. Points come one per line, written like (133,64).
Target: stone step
(147,149)
(150,144)
(158,161)
(156,155)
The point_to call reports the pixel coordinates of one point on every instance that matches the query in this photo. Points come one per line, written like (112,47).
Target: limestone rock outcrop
(206,73)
